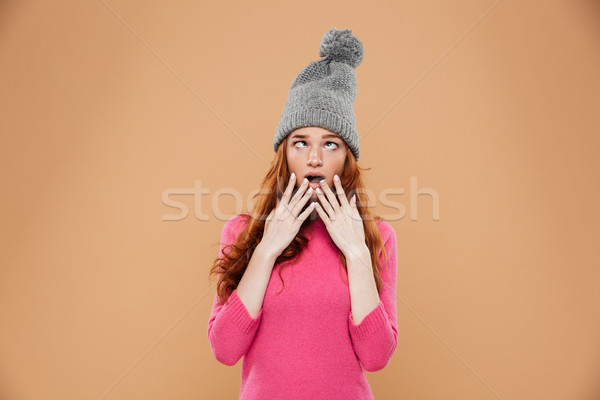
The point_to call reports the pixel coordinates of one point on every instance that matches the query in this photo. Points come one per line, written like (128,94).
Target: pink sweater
(304,344)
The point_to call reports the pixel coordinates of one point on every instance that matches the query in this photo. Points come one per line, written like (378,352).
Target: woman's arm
(232,325)
(375,336)
(253,285)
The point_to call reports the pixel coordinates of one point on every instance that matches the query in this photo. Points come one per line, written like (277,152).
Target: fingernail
(337,178)
(310,190)
(323,182)
(293,175)
(304,181)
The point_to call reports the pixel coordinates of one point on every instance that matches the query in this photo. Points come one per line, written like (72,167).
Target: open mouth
(314,178)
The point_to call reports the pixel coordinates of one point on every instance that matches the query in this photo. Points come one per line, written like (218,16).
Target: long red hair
(231,267)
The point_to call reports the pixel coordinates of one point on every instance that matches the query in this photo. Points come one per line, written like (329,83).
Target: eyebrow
(330,135)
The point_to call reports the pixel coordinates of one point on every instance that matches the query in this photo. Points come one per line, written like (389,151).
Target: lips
(314,177)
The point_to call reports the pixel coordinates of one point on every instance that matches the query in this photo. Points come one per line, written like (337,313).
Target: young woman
(306,288)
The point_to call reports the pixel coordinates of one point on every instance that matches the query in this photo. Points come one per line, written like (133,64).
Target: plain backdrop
(132,130)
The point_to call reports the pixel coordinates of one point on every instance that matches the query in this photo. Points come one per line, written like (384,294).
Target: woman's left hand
(342,219)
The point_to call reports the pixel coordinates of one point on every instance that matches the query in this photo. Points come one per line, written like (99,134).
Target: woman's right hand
(283,222)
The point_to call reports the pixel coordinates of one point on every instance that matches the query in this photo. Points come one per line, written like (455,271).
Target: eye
(298,141)
(302,141)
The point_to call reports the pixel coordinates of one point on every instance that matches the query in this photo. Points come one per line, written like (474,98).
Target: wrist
(266,252)
(358,253)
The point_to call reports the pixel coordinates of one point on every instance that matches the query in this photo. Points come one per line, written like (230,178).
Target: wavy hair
(236,256)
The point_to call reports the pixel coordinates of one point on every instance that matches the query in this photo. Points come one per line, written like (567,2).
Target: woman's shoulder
(235,218)
(237,222)
(386,229)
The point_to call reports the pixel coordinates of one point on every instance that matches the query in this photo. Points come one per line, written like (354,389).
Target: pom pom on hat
(342,46)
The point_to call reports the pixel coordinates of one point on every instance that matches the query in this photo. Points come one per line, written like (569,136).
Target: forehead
(315,132)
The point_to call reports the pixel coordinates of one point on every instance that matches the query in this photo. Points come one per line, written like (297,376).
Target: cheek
(340,164)
(294,159)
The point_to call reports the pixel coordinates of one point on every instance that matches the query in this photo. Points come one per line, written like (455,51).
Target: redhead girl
(306,290)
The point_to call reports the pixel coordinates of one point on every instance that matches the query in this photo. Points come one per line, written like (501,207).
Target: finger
(322,214)
(340,191)
(287,204)
(275,209)
(325,204)
(298,206)
(355,212)
(307,212)
(271,213)
(289,188)
(300,192)
(332,199)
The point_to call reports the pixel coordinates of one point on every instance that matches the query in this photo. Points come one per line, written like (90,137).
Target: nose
(314,158)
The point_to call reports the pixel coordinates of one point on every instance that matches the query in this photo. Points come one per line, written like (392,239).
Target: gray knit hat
(323,93)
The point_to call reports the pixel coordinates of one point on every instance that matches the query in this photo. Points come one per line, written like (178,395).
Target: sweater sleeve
(231,329)
(375,338)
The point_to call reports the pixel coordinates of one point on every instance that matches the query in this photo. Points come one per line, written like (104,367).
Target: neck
(314,220)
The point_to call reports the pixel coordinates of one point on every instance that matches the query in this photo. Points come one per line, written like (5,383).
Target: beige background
(109,106)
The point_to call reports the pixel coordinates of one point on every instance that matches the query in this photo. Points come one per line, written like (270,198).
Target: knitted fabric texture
(323,93)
